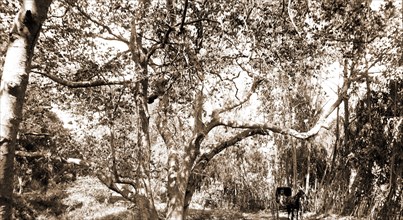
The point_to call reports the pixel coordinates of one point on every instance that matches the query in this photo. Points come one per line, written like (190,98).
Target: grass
(90,199)
(87,198)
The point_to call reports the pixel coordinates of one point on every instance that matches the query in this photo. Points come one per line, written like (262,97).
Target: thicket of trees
(174,98)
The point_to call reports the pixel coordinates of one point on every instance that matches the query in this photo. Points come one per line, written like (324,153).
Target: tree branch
(230,107)
(108,29)
(276,129)
(38,154)
(82,84)
(111,183)
(162,123)
(181,29)
(206,157)
(159,45)
(197,21)
(196,175)
(291,18)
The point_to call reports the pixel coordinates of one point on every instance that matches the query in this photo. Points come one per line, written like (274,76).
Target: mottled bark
(145,199)
(140,56)
(181,158)
(14,80)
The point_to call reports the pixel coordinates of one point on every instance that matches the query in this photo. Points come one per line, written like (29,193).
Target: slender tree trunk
(288,173)
(308,165)
(294,165)
(14,80)
(346,123)
(145,197)
(336,143)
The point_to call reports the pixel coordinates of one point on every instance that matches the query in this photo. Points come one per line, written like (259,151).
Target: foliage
(238,179)
(375,153)
(42,139)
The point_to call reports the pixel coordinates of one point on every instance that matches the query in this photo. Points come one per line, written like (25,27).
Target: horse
(293,203)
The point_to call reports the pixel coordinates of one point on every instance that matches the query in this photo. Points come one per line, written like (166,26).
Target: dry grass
(88,198)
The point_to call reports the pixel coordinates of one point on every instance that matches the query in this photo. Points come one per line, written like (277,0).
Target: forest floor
(221,214)
(87,198)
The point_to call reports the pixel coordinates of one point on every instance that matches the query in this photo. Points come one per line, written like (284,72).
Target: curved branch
(196,172)
(321,123)
(230,107)
(82,84)
(88,84)
(206,157)
(161,45)
(291,18)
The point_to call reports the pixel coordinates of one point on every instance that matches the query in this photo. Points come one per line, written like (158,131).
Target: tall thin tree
(14,80)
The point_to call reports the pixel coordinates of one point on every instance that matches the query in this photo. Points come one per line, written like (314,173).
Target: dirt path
(235,215)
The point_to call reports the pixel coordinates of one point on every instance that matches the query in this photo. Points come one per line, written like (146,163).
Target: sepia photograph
(201,109)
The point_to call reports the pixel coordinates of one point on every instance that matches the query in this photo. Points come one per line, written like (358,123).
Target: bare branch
(183,16)
(276,129)
(159,45)
(197,176)
(83,84)
(206,157)
(255,83)
(36,134)
(198,20)
(39,154)
(111,183)
(291,18)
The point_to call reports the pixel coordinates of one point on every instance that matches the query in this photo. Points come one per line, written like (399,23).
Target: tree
(14,80)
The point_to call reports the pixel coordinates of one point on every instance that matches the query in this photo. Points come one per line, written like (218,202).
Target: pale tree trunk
(144,196)
(177,179)
(181,159)
(176,184)
(294,165)
(14,80)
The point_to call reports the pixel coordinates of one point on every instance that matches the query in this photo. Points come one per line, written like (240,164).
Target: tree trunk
(145,200)
(294,165)
(181,180)
(308,165)
(335,146)
(176,188)
(14,81)
(144,197)
(346,108)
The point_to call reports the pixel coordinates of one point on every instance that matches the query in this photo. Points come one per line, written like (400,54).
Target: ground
(87,198)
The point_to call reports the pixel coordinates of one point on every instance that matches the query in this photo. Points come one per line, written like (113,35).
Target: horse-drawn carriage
(285,201)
